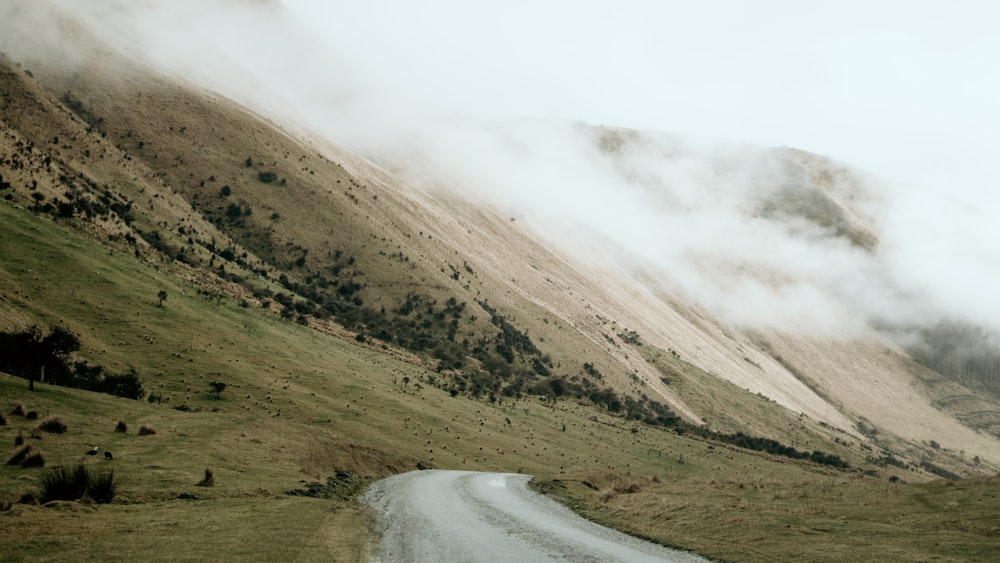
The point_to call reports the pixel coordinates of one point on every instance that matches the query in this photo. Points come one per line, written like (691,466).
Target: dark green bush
(74,483)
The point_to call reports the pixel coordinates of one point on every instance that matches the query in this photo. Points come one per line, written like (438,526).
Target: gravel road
(445,516)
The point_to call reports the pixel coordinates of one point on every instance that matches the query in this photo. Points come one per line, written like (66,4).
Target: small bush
(19,439)
(146,430)
(121,427)
(31,415)
(75,483)
(208,480)
(18,409)
(53,425)
(3,421)
(20,454)
(34,459)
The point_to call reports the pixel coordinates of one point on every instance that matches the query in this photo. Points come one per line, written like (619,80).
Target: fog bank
(644,126)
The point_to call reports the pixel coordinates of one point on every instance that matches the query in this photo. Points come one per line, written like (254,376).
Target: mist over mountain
(788,273)
(761,237)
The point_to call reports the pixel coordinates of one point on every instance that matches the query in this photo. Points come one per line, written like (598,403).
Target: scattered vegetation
(341,486)
(146,430)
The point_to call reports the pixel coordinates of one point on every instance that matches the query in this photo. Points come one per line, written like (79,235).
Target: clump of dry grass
(627,488)
(208,480)
(74,483)
(19,455)
(146,430)
(34,459)
(52,424)
(31,415)
(19,439)
(121,427)
(18,409)
(3,421)
(27,456)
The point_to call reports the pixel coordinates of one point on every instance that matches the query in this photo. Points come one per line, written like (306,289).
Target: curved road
(445,516)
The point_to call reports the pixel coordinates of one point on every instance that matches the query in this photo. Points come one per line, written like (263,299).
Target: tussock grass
(146,430)
(20,454)
(77,482)
(52,424)
(121,427)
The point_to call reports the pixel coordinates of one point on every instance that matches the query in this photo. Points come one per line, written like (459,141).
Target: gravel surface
(445,516)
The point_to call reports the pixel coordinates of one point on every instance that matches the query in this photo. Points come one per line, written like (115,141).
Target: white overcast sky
(909,90)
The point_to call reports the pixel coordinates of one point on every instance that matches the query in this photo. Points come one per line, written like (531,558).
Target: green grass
(300,405)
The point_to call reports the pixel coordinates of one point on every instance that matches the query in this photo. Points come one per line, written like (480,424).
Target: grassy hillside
(361,330)
(301,405)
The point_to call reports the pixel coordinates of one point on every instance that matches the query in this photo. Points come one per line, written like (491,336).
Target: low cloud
(506,107)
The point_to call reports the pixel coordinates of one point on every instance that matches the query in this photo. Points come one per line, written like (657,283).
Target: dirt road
(445,516)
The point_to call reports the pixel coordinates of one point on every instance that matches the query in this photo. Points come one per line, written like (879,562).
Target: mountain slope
(365,322)
(318,232)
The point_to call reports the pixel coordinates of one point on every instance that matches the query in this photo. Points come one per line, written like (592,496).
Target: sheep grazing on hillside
(94,451)
(107,455)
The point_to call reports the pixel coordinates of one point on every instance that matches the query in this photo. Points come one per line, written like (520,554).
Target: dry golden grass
(796,516)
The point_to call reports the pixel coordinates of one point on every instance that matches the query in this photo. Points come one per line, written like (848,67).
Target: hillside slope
(365,322)
(318,233)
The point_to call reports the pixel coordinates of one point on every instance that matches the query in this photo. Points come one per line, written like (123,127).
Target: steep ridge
(319,233)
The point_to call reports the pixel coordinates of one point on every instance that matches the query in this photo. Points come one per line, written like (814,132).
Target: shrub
(3,421)
(18,409)
(20,454)
(34,459)
(146,430)
(19,439)
(121,427)
(208,480)
(75,483)
(267,177)
(218,387)
(31,415)
(52,424)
